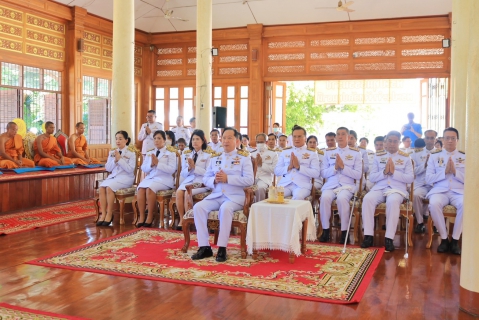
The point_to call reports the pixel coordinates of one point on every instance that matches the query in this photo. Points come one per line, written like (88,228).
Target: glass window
(88,85)
(160,111)
(160,93)
(279,91)
(217,92)
(52,80)
(188,93)
(31,78)
(102,88)
(244,91)
(244,130)
(174,93)
(11,74)
(244,112)
(278,110)
(217,103)
(230,92)
(230,113)
(173,112)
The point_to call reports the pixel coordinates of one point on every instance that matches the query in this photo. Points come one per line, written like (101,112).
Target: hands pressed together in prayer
(191,164)
(450,167)
(339,163)
(389,170)
(221,177)
(294,162)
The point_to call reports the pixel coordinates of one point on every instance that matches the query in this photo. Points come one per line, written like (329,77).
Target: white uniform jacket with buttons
(216,147)
(182,132)
(265,172)
(419,156)
(167,165)
(403,171)
(436,172)
(202,162)
(124,169)
(239,169)
(148,141)
(308,167)
(345,177)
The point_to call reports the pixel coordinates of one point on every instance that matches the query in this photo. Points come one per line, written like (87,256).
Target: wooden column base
(469,301)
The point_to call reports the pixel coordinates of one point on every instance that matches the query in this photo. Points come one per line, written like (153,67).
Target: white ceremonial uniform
(447,189)
(278,150)
(421,188)
(225,197)
(409,151)
(298,182)
(122,173)
(216,147)
(391,189)
(195,175)
(290,140)
(191,130)
(368,185)
(159,177)
(265,172)
(182,132)
(148,141)
(340,184)
(364,155)
(318,183)
(250,149)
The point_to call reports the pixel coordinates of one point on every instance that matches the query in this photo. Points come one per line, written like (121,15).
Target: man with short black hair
(445,171)
(406,142)
(180,131)
(277,130)
(330,140)
(215,143)
(282,142)
(147,131)
(352,143)
(378,146)
(272,141)
(297,165)
(227,175)
(266,160)
(192,125)
(391,172)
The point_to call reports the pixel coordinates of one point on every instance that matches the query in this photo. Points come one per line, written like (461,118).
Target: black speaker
(219,117)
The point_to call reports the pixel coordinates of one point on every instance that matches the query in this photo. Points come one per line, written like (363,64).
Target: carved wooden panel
(11,30)
(11,14)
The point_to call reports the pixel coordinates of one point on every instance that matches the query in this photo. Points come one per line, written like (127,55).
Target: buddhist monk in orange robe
(11,149)
(47,151)
(78,147)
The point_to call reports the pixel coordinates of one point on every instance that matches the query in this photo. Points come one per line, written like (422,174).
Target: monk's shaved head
(79,124)
(10,125)
(49,123)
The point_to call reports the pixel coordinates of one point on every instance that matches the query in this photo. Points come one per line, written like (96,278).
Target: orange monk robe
(81,146)
(50,146)
(14,148)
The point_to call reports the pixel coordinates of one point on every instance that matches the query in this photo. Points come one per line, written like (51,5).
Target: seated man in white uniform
(271,142)
(352,143)
(192,125)
(215,143)
(180,131)
(341,167)
(245,143)
(266,159)
(363,144)
(378,146)
(282,142)
(227,175)
(406,141)
(445,171)
(297,165)
(147,130)
(422,152)
(312,143)
(391,172)
(330,140)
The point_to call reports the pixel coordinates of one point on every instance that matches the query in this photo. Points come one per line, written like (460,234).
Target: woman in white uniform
(312,143)
(194,162)
(160,164)
(121,165)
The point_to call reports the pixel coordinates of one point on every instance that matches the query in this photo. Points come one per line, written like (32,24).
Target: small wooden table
(278,226)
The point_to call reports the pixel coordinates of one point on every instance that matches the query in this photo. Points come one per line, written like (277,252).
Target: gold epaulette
(208,148)
(312,149)
(277,150)
(286,148)
(243,153)
(271,149)
(321,152)
(209,151)
(381,152)
(113,149)
(436,151)
(132,148)
(418,149)
(354,148)
(187,151)
(216,154)
(402,153)
(329,149)
(463,152)
(171,149)
(362,148)
(150,150)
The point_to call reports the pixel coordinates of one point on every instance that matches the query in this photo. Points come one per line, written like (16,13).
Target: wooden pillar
(72,112)
(256,108)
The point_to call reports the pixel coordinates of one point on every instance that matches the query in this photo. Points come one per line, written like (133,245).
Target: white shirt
(148,141)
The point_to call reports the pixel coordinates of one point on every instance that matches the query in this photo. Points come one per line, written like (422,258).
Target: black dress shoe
(140,224)
(107,223)
(434,229)
(203,252)
(179,228)
(420,228)
(455,249)
(325,236)
(388,243)
(367,242)
(444,246)
(221,255)
(343,237)
(99,223)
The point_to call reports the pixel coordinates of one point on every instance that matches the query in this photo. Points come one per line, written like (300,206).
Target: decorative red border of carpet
(32,219)
(7,311)
(322,274)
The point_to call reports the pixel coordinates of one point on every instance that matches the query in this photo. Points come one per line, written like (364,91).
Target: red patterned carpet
(21,221)
(323,274)
(8,312)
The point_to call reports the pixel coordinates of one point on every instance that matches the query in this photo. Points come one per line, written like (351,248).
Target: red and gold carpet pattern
(21,221)
(8,312)
(323,274)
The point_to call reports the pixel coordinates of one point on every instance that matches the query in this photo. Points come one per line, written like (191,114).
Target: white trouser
(201,210)
(369,185)
(298,193)
(342,200)
(420,209)
(260,194)
(370,202)
(437,202)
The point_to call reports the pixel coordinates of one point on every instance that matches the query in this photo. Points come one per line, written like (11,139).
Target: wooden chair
(405,211)
(124,194)
(162,196)
(448,211)
(240,217)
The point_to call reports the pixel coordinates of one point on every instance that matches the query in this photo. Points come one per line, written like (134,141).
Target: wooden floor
(426,288)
